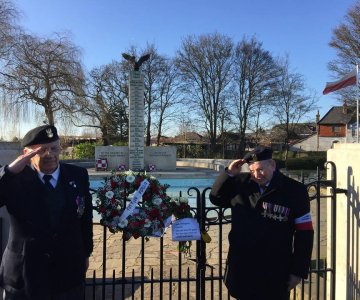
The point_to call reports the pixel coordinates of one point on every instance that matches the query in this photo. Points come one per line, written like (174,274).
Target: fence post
(200,248)
(202,257)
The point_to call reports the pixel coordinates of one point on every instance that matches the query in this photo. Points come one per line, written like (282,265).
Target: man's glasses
(49,150)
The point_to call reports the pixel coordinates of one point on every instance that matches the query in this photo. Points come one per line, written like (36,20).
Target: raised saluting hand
(235,166)
(19,163)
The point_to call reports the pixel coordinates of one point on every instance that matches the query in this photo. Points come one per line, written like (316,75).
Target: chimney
(317,117)
(345,108)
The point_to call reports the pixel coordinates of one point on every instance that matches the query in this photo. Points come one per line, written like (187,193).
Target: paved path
(116,265)
(115,262)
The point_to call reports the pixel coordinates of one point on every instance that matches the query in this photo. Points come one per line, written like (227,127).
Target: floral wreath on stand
(150,217)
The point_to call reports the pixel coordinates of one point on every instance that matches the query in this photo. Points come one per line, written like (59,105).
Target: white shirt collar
(55,176)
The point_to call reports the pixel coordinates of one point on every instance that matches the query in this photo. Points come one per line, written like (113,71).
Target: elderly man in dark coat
(50,211)
(271,236)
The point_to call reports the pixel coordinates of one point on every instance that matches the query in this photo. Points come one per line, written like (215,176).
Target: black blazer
(38,259)
(264,247)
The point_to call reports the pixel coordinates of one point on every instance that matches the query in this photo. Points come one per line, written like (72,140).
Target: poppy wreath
(152,215)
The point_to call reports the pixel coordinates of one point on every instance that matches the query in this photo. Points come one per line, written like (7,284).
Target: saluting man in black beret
(50,211)
(271,235)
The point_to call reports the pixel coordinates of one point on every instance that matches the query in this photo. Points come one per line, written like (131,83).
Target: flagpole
(357,104)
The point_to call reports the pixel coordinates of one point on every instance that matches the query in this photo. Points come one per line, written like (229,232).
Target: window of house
(336,129)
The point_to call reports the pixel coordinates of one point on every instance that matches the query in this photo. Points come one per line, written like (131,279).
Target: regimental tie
(262,188)
(47,179)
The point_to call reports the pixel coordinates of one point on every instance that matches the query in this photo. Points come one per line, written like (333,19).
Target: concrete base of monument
(153,158)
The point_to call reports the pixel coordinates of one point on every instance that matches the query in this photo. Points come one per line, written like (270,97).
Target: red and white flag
(347,80)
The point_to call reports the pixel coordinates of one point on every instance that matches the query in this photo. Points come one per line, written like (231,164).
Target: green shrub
(292,154)
(305,163)
(277,155)
(84,150)
(121,143)
(280,164)
(190,151)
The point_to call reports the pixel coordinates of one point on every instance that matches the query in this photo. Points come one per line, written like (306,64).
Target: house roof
(229,136)
(301,129)
(339,115)
(294,142)
(189,137)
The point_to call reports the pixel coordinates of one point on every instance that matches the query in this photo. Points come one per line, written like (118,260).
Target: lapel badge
(72,184)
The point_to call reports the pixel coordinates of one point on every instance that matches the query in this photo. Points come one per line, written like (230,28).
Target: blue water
(176,186)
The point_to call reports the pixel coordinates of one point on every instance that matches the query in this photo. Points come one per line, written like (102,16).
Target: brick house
(336,122)
(337,126)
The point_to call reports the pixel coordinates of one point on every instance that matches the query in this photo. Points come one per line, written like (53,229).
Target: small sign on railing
(186,229)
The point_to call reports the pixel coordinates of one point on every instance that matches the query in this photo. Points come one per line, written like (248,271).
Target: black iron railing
(172,276)
(201,276)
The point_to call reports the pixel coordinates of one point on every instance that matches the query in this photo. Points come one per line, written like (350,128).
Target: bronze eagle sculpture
(132,60)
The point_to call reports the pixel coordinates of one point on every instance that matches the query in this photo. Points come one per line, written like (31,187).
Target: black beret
(40,135)
(259,153)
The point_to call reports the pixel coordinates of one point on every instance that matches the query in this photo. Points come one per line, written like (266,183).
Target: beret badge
(49,133)
(40,135)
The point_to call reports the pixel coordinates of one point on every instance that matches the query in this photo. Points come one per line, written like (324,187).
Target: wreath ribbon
(135,200)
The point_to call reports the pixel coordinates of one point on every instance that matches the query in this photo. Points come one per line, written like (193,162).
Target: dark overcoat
(40,259)
(264,247)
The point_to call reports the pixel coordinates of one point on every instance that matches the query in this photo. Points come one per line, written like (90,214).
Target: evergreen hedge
(84,150)
(305,163)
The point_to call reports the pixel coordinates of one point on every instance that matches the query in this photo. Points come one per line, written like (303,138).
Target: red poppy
(114,184)
(114,213)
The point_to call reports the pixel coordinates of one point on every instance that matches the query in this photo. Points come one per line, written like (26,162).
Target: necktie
(262,188)
(47,179)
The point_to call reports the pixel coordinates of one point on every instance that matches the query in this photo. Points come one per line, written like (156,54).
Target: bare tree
(8,27)
(8,36)
(152,69)
(205,67)
(291,102)
(258,121)
(106,104)
(255,72)
(225,116)
(346,42)
(167,97)
(45,72)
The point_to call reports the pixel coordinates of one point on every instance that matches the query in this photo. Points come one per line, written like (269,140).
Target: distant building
(337,126)
(298,132)
(185,138)
(70,141)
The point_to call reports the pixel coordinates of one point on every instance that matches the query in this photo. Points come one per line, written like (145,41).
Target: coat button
(55,237)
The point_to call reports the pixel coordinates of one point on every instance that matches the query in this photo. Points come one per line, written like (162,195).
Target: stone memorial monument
(136,114)
(136,157)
